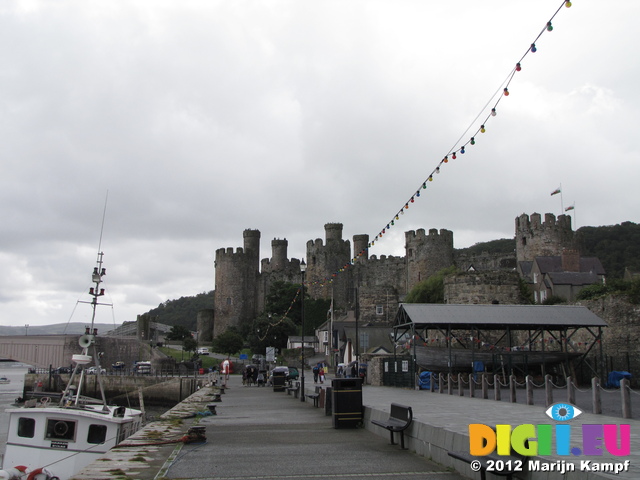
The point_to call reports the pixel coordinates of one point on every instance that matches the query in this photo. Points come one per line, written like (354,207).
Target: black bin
(279,380)
(346,399)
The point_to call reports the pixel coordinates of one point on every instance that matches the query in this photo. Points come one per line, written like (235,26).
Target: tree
(189,344)
(430,290)
(270,331)
(229,342)
(178,332)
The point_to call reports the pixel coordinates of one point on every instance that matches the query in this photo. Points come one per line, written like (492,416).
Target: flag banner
(569,208)
(557,190)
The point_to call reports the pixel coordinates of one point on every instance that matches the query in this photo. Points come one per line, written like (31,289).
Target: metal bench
(399,420)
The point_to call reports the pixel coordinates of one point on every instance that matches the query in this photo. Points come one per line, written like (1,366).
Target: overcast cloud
(204,118)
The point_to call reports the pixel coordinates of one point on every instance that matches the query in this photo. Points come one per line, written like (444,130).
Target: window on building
(379,310)
(229,301)
(26,427)
(364,342)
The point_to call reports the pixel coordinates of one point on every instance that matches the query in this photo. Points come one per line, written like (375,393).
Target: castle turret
(279,254)
(427,254)
(537,239)
(361,247)
(325,261)
(235,296)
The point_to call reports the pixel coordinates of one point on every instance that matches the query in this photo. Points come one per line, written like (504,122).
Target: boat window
(60,429)
(26,427)
(97,434)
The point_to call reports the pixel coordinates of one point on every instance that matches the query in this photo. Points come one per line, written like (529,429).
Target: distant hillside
(617,246)
(56,329)
(183,311)
(504,245)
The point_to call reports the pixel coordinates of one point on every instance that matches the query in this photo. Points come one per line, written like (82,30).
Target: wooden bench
(399,420)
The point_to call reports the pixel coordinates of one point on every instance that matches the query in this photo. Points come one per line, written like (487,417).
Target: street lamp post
(303,268)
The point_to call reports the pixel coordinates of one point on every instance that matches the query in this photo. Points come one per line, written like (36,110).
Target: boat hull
(65,440)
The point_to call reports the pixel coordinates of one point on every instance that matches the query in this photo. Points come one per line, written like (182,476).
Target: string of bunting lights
(459,148)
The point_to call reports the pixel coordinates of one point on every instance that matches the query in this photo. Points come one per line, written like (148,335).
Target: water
(8,393)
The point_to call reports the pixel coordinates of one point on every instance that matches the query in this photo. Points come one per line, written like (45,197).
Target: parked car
(62,370)
(293,373)
(203,351)
(94,370)
(118,365)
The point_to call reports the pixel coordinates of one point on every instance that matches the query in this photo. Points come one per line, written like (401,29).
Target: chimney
(570,260)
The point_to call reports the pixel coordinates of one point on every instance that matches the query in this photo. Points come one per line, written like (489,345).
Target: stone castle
(242,279)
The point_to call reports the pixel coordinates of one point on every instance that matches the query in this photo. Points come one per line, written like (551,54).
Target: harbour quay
(259,433)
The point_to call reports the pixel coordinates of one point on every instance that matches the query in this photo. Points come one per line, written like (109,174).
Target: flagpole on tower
(556,191)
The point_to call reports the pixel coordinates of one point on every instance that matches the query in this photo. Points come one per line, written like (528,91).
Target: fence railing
(485,385)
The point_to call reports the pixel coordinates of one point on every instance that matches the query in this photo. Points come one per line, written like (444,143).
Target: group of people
(318,373)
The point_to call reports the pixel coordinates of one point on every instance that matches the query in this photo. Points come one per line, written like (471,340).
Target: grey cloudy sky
(204,118)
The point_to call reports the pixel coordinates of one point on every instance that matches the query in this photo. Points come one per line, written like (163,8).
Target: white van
(203,351)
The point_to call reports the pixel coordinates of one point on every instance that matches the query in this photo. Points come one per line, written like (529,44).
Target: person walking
(321,374)
(316,373)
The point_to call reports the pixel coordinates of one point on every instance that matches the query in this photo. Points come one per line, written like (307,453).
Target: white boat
(55,441)
(4,380)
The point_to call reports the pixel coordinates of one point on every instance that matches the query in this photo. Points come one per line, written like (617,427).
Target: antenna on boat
(88,340)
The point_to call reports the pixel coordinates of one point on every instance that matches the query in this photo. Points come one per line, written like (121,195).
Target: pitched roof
(573,278)
(523,317)
(554,264)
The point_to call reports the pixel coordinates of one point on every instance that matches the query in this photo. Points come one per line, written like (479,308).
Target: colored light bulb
(518,67)
(431,178)
(424,185)
(533,48)
(412,200)
(473,141)
(445,159)
(462,150)
(453,156)
(549,27)
(506,92)
(437,169)
(406,205)
(482,129)
(418,193)
(493,112)
(567,4)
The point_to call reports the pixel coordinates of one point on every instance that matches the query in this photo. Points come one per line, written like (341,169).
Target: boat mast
(88,340)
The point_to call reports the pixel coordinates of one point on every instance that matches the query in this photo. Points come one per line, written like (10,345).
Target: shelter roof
(495,317)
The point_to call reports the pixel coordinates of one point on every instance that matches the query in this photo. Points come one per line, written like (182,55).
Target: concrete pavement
(260,434)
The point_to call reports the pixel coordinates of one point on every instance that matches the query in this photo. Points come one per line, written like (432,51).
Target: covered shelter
(508,339)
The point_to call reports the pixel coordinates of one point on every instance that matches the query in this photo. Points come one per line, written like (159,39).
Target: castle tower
(361,245)
(537,239)
(236,277)
(427,254)
(324,261)
(278,254)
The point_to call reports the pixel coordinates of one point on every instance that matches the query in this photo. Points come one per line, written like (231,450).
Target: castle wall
(482,288)
(205,326)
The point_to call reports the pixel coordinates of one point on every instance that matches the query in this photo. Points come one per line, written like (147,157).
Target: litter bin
(279,379)
(346,400)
